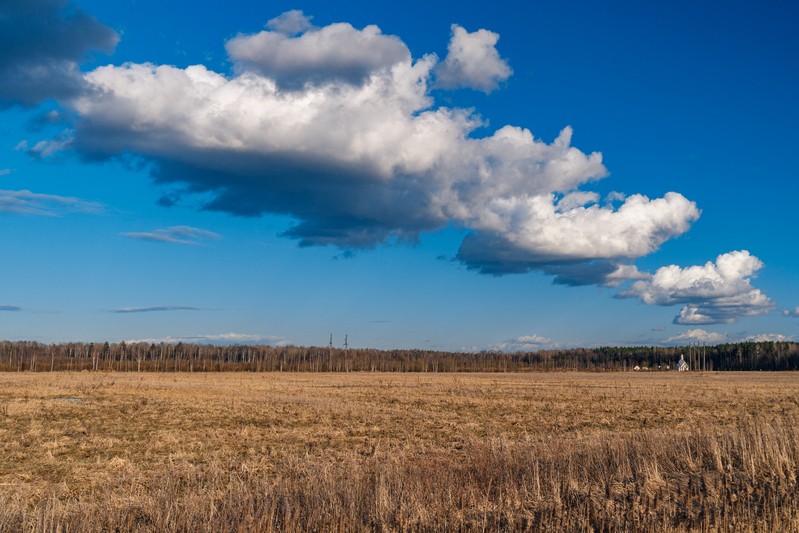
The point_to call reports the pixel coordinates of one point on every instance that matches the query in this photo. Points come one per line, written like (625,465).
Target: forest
(184,357)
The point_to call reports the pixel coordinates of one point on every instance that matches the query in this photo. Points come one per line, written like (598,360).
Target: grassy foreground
(368,451)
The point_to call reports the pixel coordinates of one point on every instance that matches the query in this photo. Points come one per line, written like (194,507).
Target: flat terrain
(75,428)
(77,433)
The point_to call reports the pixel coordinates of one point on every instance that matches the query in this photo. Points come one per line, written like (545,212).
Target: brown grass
(608,452)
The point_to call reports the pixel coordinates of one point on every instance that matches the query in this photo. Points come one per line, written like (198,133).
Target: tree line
(185,357)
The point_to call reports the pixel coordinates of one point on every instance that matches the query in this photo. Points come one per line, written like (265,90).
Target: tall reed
(736,479)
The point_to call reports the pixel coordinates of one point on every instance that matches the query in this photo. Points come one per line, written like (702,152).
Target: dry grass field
(370,451)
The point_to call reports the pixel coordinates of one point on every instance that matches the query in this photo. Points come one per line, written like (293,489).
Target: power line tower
(330,354)
(346,348)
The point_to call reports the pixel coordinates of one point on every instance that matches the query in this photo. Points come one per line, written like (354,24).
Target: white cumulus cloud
(472,62)
(338,52)
(712,293)
(769,337)
(791,312)
(290,23)
(524,343)
(697,335)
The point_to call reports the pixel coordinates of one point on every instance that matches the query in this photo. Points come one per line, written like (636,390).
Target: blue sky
(410,175)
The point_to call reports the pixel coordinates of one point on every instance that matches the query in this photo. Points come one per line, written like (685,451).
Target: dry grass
(93,451)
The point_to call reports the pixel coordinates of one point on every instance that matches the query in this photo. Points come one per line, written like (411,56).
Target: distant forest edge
(180,357)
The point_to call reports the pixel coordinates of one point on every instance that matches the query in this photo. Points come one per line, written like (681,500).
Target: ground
(78,434)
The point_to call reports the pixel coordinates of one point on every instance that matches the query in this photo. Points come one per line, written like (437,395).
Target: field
(388,451)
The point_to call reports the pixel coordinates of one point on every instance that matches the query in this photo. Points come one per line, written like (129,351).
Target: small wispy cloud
(30,203)
(220,338)
(5,171)
(791,312)
(175,235)
(12,308)
(39,121)
(154,309)
(47,148)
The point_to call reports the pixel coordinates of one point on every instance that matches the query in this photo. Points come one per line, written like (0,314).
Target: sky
(413,175)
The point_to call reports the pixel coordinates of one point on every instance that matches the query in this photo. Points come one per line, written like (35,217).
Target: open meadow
(378,451)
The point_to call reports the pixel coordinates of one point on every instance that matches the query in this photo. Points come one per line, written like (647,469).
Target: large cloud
(359,154)
(41,43)
(713,293)
(472,62)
